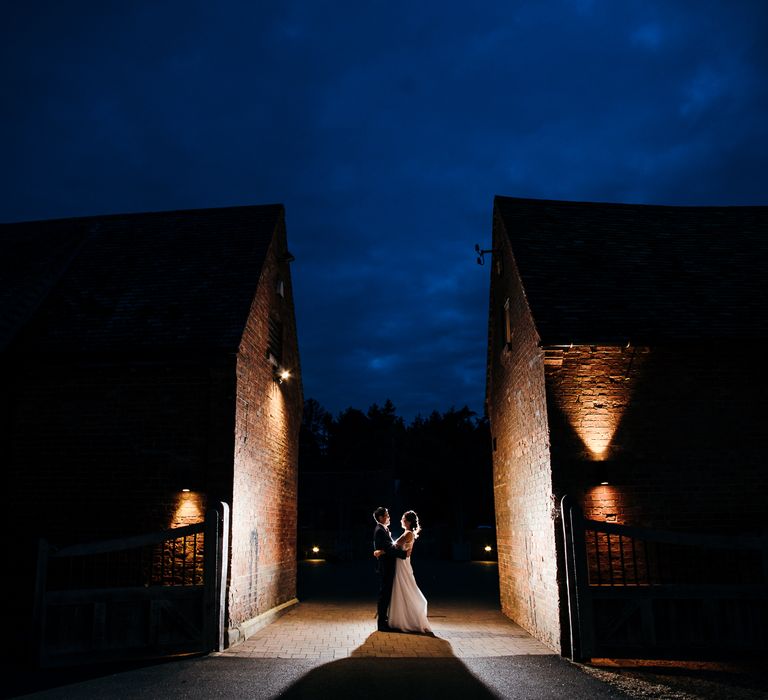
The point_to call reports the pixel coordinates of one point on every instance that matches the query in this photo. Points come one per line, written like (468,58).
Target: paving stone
(323,630)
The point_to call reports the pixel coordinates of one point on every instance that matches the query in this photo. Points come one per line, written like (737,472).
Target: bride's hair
(413,520)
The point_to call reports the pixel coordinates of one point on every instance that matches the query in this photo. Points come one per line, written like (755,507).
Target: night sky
(385,128)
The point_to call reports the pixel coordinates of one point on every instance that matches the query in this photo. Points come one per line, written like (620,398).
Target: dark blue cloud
(386,129)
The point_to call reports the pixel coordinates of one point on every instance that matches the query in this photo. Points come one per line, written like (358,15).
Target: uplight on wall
(593,386)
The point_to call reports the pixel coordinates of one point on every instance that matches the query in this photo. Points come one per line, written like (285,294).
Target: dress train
(408,607)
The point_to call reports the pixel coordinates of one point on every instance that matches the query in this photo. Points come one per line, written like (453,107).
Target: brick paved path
(330,630)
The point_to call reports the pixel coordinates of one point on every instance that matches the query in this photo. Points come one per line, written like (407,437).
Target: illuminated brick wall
(663,436)
(102,442)
(665,432)
(126,437)
(268,417)
(95,452)
(675,432)
(525,528)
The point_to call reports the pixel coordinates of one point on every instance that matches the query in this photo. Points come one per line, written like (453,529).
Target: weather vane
(481,253)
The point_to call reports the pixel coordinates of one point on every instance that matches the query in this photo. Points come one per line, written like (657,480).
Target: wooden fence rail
(147,595)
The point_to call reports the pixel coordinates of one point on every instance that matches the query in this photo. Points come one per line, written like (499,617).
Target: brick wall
(101,450)
(268,416)
(681,430)
(525,528)
(666,436)
(103,446)
(94,451)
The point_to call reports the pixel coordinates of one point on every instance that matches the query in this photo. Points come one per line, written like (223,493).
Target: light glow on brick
(593,386)
(605,502)
(189,509)
(598,440)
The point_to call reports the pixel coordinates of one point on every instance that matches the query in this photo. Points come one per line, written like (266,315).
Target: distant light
(603,483)
(488,548)
(185,490)
(315,549)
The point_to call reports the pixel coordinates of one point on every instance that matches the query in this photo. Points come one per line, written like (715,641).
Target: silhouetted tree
(313,437)
(442,462)
(387,435)
(349,441)
(448,469)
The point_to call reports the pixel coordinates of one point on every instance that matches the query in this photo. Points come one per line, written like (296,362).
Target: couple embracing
(402,606)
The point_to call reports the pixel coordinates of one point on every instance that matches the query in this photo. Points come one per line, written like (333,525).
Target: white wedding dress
(408,606)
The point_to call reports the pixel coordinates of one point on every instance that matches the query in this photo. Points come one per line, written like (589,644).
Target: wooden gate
(641,593)
(146,596)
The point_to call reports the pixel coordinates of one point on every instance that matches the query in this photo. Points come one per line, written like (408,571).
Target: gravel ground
(682,680)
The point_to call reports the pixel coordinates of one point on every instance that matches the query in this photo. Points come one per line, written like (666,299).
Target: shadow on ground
(390,678)
(318,580)
(437,673)
(516,678)
(444,677)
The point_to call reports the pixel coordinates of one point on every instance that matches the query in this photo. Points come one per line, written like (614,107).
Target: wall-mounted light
(488,548)
(603,473)
(281,375)
(185,490)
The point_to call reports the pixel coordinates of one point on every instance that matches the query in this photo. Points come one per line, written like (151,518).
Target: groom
(382,541)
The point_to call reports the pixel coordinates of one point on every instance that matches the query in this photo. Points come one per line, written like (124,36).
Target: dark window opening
(275,347)
(507,324)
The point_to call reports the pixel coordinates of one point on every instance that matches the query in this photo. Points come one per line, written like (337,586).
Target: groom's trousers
(387,574)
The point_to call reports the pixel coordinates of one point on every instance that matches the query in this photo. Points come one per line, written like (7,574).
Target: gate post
(222,569)
(216,563)
(570,588)
(210,598)
(581,579)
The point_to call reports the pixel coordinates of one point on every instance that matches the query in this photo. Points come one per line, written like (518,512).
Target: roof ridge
(644,205)
(277,207)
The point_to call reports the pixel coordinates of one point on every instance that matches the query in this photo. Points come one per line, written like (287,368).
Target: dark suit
(386,568)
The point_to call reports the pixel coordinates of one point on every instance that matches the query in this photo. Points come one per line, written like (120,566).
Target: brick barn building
(621,371)
(140,361)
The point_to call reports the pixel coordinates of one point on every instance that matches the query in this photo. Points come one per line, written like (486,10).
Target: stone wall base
(236,635)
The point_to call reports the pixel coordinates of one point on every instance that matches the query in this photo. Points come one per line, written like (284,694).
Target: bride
(408,606)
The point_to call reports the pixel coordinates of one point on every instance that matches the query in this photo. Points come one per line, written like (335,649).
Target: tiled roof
(156,281)
(639,273)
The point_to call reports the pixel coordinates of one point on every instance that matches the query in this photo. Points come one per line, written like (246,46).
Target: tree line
(441,464)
